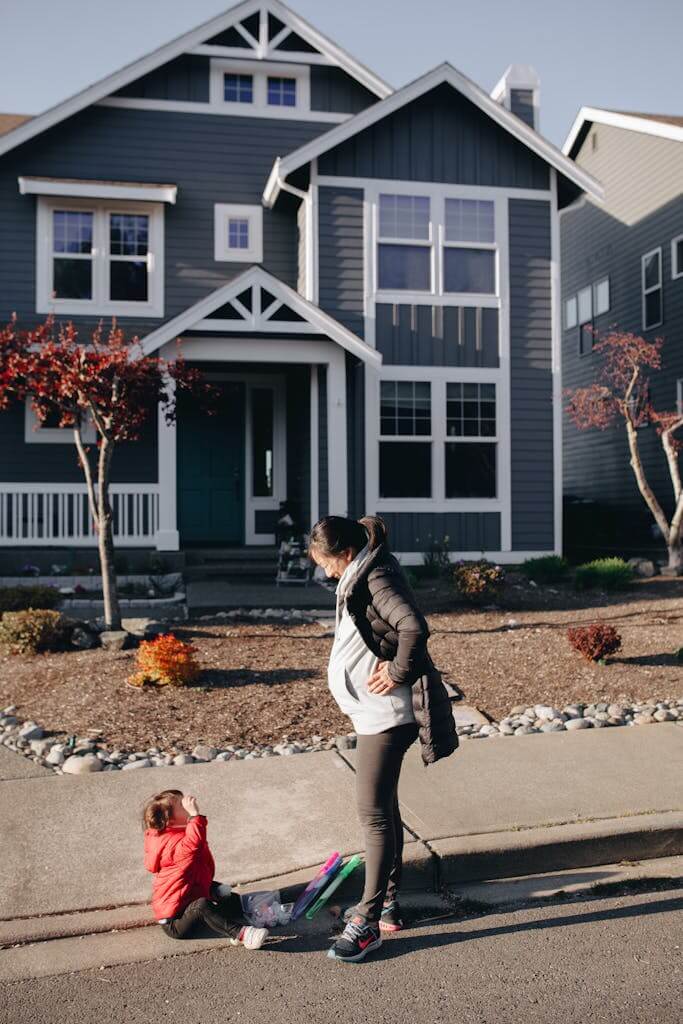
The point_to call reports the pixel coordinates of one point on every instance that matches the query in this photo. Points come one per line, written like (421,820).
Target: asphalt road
(603,960)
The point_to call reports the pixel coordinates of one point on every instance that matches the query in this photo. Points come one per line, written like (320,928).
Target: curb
(557,847)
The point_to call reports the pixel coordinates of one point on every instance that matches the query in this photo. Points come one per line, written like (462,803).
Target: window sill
(76,308)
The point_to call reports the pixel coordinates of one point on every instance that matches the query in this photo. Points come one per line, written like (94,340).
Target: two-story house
(622,266)
(371,276)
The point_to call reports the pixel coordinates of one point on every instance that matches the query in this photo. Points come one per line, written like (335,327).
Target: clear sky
(621,54)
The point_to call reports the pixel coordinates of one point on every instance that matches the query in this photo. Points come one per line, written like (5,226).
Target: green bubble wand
(333,886)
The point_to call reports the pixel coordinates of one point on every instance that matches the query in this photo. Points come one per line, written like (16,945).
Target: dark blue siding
(340,248)
(531,376)
(439,137)
(466,531)
(522,104)
(333,90)
(437,335)
(186,78)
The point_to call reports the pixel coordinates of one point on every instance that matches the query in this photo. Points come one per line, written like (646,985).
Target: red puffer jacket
(183,868)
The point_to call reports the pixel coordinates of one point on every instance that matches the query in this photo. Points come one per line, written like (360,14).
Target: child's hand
(190,804)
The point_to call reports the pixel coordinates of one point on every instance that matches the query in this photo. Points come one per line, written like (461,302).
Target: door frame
(277,383)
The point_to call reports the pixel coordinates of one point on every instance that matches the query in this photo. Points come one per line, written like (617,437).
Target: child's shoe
(251,938)
(357,940)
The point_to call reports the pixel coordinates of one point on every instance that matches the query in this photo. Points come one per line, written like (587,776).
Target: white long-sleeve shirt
(351,665)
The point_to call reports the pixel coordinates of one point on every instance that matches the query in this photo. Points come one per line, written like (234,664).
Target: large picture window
(405,464)
(470,448)
(104,258)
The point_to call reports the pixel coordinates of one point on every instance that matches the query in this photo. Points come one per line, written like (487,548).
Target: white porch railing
(58,514)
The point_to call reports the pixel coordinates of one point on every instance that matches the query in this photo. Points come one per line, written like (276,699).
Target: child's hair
(333,534)
(159,809)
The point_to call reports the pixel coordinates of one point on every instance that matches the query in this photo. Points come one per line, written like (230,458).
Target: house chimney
(519,90)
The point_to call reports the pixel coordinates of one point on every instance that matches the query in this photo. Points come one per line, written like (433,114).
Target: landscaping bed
(264,683)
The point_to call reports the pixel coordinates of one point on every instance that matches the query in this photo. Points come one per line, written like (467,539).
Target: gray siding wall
(466,531)
(186,78)
(439,137)
(134,462)
(522,104)
(437,335)
(531,376)
(323,460)
(333,90)
(355,435)
(340,253)
(596,244)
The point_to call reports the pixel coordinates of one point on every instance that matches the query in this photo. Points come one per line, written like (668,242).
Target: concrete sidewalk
(498,808)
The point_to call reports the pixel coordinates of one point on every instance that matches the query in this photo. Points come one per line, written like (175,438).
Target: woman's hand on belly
(380,682)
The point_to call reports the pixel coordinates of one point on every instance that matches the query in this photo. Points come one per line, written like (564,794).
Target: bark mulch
(267,683)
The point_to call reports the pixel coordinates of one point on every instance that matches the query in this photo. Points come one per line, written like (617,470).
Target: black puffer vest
(383,608)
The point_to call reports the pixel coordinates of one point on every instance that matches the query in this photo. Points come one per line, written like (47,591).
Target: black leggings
(222,914)
(378,766)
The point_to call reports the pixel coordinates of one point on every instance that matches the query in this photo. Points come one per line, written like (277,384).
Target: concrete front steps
(256,564)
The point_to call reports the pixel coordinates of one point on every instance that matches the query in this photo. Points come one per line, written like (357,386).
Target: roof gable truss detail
(256,309)
(264,36)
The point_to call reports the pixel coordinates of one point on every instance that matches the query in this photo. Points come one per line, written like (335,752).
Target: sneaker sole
(358,957)
(385,927)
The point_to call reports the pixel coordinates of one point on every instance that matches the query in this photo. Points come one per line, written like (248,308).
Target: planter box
(174,607)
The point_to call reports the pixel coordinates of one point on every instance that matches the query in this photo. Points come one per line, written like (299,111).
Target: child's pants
(221,913)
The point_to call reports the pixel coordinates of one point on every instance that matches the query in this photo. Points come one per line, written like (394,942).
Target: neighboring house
(622,265)
(372,276)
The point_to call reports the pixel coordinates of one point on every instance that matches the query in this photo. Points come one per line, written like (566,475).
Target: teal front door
(211,469)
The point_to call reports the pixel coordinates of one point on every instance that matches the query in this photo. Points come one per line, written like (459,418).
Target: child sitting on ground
(184,893)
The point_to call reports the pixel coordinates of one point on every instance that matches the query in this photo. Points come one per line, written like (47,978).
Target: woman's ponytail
(377,530)
(333,534)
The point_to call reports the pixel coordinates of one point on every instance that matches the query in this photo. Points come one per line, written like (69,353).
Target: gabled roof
(257,301)
(443,73)
(666,126)
(182,44)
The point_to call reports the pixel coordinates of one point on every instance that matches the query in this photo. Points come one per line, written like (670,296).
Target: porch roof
(255,301)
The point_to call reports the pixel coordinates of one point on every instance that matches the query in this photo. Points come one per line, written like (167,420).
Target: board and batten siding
(340,255)
(466,531)
(440,137)
(212,159)
(643,210)
(531,386)
(422,335)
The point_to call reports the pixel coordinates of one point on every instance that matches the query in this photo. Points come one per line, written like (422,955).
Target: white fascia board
(443,73)
(323,323)
(97,189)
(644,125)
(182,44)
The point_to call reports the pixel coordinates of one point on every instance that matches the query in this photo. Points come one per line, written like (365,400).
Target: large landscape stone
(116,639)
(82,765)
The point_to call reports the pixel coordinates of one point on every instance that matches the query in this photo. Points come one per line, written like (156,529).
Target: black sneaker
(357,940)
(391,920)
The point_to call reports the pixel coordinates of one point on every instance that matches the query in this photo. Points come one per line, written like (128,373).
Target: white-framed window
(100,256)
(440,244)
(50,432)
(438,440)
(677,257)
(601,299)
(260,89)
(238,233)
(570,313)
(471,445)
(651,281)
(585,305)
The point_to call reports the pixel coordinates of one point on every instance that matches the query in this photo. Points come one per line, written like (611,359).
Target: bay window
(99,257)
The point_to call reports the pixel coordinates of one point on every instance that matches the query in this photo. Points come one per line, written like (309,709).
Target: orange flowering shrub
(594,642)
(166,661)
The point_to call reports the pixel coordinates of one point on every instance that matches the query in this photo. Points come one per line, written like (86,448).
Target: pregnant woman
(382,677)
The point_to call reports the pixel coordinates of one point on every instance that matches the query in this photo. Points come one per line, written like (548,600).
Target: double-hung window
(469,255)
(651,280)
(405,449)
(471,444)
(99,257)
(404,252)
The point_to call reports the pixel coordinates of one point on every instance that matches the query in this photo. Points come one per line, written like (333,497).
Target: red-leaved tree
(622,390)
(106,381)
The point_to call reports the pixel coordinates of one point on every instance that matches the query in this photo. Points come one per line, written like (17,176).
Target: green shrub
(548,569)
(479,581)
(18,599)
(436,560)
(605,573)
(31,631)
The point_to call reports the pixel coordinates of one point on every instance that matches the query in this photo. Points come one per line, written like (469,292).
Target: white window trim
(34,433)
(99,304)
(676,271)
(223,212)
(260,71)
(647,291)
(437,195)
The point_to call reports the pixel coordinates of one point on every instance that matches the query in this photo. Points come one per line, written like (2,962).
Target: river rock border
(85,755)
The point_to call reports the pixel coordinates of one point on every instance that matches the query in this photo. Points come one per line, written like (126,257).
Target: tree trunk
(676,558)
(105,543)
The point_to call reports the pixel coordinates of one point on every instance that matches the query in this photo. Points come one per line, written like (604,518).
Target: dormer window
(260,89)
(281,92)
(238,88)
